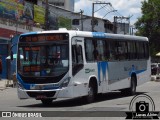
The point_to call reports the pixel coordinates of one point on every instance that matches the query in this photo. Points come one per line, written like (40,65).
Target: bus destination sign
(44,37)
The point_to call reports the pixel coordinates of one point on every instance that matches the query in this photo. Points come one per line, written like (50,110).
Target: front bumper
(66,92)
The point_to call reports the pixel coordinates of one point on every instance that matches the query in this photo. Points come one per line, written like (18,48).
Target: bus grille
(41,80)
(47,94)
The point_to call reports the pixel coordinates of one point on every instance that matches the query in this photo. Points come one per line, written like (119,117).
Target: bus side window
(96,54)
(77,59)
(112,50)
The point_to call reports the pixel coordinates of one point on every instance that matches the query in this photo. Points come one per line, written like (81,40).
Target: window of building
(108,26)
(75,22)
(95,22)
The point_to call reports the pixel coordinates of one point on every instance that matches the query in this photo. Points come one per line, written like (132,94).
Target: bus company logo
(142,107)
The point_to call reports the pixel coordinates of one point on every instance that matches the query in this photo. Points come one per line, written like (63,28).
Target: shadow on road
(80,101)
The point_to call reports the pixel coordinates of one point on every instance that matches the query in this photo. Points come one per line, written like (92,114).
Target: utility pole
(81,15)
(115,25)
(46,15)
(93,22)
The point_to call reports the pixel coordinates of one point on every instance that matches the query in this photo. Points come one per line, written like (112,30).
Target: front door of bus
(77,55)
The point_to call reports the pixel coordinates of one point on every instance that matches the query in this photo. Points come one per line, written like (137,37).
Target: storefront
(4,53)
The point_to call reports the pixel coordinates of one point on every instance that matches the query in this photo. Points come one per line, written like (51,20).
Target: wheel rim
(90,94)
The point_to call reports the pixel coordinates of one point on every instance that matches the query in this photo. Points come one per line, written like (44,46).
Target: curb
(4,84)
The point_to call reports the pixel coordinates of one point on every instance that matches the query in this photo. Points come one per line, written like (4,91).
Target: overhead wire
(108,9)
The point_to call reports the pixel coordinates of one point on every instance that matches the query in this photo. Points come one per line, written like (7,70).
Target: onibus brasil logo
(142,107)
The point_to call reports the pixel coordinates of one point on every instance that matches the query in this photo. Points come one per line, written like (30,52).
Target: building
(65,4)
(15,18)
(61,18)
(121,25)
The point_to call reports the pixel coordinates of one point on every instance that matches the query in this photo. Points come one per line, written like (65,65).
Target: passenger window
(121,50)
(89,48)
(113,50)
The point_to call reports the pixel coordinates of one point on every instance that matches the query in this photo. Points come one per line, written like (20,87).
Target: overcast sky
(124,8)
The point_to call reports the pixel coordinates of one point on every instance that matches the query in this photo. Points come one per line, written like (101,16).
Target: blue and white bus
(70,64)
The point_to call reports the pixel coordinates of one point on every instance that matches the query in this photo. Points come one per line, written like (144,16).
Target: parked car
(155,68)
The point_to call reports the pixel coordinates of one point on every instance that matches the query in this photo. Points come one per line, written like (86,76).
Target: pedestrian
(0,66)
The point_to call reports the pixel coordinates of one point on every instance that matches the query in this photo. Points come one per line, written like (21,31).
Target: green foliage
(64,23)
(149,24)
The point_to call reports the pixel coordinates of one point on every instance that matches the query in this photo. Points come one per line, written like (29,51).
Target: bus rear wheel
(47,101)
(132,89)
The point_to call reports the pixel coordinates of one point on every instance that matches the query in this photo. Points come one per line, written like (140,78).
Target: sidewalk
(5,83)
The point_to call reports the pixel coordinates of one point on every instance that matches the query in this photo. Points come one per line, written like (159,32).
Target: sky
(124,8)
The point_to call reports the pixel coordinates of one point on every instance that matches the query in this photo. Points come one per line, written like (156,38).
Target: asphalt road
(113,101)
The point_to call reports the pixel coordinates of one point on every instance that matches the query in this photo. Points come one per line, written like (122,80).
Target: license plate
(40,97)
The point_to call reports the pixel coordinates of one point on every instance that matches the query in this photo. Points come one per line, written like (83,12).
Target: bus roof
(90,34)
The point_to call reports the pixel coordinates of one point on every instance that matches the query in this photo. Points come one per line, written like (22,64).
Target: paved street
(108,102)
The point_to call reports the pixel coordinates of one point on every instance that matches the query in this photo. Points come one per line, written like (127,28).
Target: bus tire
(132,89)
(46,101)
(91,94)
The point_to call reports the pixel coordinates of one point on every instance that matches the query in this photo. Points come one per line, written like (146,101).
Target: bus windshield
(43,58)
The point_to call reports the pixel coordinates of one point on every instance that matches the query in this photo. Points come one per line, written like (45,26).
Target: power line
(93,20)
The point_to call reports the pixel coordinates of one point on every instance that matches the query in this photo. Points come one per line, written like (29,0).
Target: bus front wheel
(91,93)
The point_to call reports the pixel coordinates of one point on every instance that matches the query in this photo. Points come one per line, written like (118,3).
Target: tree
(149,24)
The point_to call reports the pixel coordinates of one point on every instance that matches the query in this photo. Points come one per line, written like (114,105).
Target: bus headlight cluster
(65,82)
(20,86)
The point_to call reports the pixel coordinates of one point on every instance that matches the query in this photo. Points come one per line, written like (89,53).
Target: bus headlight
(65,82)
(20,86)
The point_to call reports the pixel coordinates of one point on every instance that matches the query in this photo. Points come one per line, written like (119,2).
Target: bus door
(78,68)
(77,55)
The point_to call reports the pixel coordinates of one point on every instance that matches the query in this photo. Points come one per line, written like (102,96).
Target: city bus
(71,64)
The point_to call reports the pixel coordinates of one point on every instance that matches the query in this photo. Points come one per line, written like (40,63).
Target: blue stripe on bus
(102,68)
(26,86)
(133,70)
(98,34)
(140,71)
(29,33)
